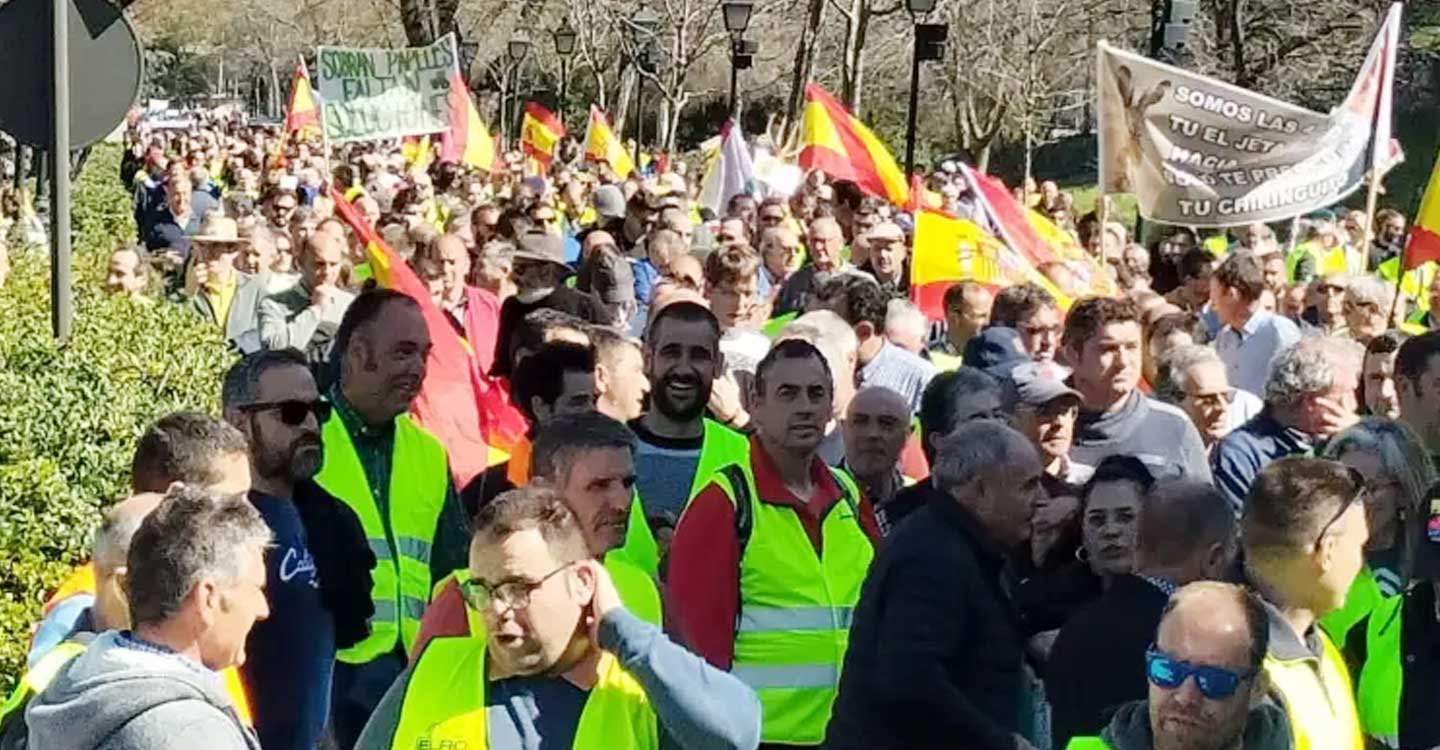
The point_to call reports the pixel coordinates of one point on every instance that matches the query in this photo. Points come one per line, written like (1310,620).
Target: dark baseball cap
(1038,383)
(997,351)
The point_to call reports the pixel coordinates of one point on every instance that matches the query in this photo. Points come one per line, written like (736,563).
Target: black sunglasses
(293,411)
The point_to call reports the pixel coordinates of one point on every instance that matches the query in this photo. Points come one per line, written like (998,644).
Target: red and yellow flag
(601,145)
(540,133)
(462,406)
(302,114)
(838,144)
(949,250)
(1423,245)
(468,141)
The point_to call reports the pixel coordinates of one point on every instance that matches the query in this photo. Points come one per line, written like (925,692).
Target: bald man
(305,316)
(875,428)
(1220,628)
(473,312)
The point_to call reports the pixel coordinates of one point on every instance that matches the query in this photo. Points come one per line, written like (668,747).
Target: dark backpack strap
(744,509)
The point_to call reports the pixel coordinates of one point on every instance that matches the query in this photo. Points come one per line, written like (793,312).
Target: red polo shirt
(704,571)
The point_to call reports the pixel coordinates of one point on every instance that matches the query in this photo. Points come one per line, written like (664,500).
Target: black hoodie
(1267,728)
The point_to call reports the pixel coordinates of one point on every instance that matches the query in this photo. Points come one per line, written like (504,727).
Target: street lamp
(564,47)
(642,36)
(517,49)
(737,19)
(929,45)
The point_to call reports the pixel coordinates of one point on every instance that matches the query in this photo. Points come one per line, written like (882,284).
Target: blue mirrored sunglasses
(1216,683)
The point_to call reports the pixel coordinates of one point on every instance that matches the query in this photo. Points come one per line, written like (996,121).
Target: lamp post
(564,47)
(737,19)
(929,45)
(643,25)
(517,49)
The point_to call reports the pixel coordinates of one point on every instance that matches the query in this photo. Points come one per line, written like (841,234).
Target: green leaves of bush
(69,417)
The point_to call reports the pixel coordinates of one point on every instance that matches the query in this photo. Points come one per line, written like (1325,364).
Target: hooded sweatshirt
(125,695)
(1267,728)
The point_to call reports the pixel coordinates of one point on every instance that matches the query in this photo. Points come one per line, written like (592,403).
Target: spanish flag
(601,145)
(540,133)
(1423,245)
(949,250)
(839,145)
(302,115)
(468,141)
(463,407)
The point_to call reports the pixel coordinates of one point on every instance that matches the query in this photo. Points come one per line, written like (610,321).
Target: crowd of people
(763,501)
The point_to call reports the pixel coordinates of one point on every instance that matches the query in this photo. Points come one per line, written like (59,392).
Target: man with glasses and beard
(1203,674)
(318,568)
(678,448)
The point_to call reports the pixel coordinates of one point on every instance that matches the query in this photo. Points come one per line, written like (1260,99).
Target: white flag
(729,174)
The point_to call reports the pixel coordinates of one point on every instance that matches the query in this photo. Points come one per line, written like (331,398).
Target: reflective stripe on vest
(1382,679)
(419,478)
(1087,743)
(720,447)
(444,705)
(1318,701)
(40,676)
(795,608)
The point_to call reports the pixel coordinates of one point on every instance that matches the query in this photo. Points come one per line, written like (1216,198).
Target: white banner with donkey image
(1200,152)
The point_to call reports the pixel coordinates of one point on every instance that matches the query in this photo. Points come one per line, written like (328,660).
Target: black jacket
(1098,662)
(343,560)
(936,656)
(1419,658)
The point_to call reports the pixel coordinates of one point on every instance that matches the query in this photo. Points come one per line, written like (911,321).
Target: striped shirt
(897,369)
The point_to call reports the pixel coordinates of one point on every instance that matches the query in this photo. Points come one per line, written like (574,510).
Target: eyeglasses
(293,411)
(1215,683)
(1216,399)
(1357,480)
(513,594)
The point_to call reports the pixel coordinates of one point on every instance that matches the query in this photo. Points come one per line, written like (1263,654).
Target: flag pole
(1399,281)
(1370,202)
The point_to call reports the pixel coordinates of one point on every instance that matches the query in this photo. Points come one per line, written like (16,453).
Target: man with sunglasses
(317,570)
(1303,536)
(1203,670)
(563,663)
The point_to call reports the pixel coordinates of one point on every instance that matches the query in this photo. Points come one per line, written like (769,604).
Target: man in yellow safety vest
(1303,533)
(564,663)
(768,560)
(395,475)
(1205,688)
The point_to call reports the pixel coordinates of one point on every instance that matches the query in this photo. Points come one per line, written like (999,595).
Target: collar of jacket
(1266,728)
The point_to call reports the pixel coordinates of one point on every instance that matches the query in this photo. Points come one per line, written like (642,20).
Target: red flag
(540,133)
(462,406)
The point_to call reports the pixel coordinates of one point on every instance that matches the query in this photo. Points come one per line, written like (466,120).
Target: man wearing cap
(211,277)
(888,258)
(540,270)
(1045,411)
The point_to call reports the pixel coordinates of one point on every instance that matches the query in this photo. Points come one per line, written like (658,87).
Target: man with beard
(1205,691)
(563,661)
(396,477)
(768,560)
(318,568)
(678,448)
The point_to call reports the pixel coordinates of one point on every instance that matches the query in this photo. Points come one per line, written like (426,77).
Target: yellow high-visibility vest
(419,480)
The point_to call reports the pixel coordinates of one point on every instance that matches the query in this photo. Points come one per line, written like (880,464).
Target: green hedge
(69,417)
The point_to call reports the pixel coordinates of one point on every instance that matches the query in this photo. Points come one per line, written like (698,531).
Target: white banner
(369,94)
(1200,152)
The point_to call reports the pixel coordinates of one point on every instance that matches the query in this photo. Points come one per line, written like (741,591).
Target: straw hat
(218,229)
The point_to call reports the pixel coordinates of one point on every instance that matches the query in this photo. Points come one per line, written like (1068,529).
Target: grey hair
(1174,366)
(242,380)
(1403,458)
(902,313)
(1309,367)
(830,334)
(973,448)
(192,535)
(1370,289)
